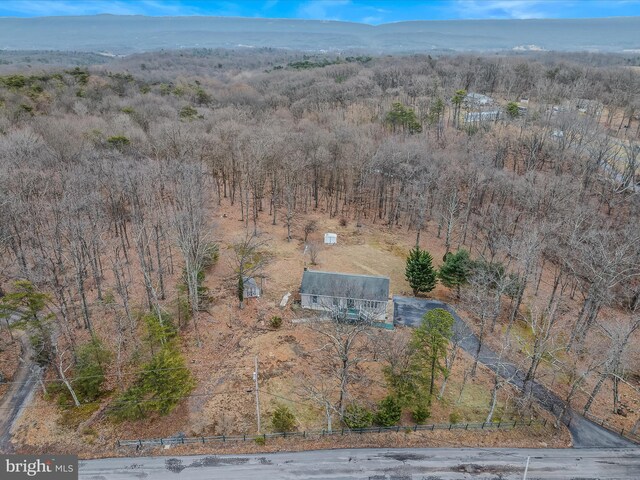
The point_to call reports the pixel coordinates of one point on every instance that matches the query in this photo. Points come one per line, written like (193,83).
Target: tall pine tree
(420,272)
(455,270)
(430,341)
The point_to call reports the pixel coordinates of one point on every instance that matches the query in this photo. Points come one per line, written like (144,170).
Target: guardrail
(322,433)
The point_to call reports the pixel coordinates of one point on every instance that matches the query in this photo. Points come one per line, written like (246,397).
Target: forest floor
(289,357)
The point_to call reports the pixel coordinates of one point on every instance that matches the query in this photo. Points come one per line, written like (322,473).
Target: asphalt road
(378,464)
(19,394)
(409,311)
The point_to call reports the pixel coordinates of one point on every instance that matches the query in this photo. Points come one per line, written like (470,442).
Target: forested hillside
(136,195)
(125,34)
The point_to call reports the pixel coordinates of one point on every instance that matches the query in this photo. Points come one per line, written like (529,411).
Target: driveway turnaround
(378,464)
(409,311)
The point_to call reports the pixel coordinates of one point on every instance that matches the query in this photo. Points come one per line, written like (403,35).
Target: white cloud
(505,8)
(322,10)
(372,20)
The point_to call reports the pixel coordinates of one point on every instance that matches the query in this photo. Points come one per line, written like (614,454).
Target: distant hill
(114,34)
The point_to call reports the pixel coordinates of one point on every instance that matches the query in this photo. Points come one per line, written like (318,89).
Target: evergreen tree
(164,380)
(27,303)
(431,340)
(90,370)
(389,412)
(357,416)
(283,420)
(403,117)
(419,271)
(455,270)
(512,109)
(457,100)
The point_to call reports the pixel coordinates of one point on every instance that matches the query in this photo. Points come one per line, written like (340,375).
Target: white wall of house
(377,309)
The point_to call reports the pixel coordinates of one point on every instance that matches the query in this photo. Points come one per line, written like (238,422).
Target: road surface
(409,311)
(19,394)
(378,464)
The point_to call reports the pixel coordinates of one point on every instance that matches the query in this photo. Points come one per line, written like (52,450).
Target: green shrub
(160,330)
(188,112)
(109,298)
(454,417)
(283,419)
(389,412)
(118,141)
(275,322)
(260,441)
(93,358)
(164,381)
(14,81)
(420,413)
(357,416)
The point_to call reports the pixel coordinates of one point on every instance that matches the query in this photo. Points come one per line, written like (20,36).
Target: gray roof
(332,284)
(249,282)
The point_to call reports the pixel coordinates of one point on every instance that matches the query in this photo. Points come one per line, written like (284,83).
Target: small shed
(251,288)
(330,238)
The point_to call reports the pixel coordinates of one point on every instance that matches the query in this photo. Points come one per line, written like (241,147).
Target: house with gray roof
(348,295)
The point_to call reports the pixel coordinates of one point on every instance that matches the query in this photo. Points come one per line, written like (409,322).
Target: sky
(364,11)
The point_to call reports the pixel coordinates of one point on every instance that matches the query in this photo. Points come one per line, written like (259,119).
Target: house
(479,117)
(356,297)
(251,288)
(478,99)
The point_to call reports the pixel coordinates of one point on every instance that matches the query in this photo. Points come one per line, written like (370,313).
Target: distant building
(589,107)
(480,117)
(330,238)
(251,288)
(350,296)
(478,99)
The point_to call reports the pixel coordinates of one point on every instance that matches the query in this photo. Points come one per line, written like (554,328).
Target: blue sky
(371,11)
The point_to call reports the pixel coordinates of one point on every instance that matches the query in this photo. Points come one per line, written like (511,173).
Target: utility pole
(255,378)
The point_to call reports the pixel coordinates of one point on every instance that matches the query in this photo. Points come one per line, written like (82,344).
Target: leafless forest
(110,177)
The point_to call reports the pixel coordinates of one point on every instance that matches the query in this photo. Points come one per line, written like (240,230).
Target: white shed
(330,238)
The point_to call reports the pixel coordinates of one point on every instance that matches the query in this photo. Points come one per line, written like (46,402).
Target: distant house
(480,117)
(363,297)
(251,288)
(590,107)
(478,99)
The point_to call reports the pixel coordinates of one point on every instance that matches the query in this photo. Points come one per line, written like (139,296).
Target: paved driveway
(408,311)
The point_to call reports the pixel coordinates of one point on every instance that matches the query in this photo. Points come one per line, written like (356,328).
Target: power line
(120,405)
(114,374)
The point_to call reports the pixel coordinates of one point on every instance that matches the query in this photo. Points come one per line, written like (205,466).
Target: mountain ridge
(124,34)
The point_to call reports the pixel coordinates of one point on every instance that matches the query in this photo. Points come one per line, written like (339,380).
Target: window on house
(351,303)
(314,299)
(336,301)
